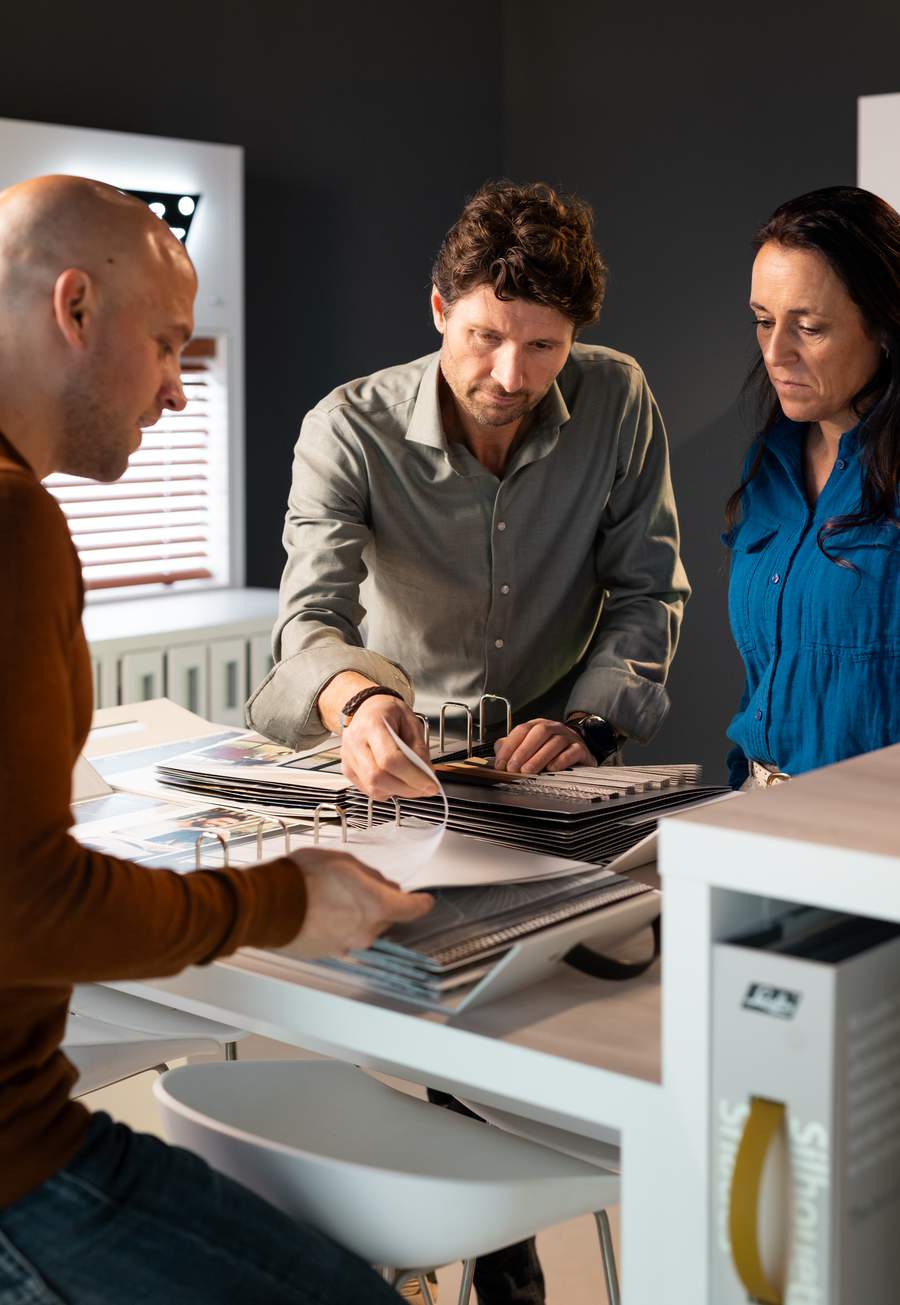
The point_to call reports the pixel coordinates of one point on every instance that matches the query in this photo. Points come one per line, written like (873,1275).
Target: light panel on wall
(177,209)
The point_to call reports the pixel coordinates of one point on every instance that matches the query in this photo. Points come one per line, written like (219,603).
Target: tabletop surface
(854,804)
(594,1022)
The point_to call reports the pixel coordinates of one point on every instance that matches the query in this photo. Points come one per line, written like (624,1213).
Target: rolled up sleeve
(638,565)
(317,634)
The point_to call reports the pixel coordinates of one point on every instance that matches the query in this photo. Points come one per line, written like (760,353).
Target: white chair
(397,1180)
(607,1154)
(111,1035)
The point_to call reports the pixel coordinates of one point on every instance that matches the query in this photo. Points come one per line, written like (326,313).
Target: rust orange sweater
(69,915)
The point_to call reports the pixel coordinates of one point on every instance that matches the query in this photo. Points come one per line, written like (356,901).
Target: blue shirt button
(759,715)
(775,578)
(840,464)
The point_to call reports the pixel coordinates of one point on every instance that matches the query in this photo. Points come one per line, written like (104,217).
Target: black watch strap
(599,737)
(352,705)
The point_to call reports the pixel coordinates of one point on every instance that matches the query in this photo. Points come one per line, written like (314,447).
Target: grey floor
(569,1253)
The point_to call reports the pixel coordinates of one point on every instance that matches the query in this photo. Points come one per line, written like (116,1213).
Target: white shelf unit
(204,650)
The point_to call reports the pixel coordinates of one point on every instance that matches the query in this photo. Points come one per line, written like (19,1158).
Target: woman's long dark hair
(859,235)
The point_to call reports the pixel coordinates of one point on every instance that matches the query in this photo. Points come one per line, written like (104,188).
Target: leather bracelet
(352,706)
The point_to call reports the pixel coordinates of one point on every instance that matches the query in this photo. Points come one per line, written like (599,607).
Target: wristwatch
(599,737)
(352,705)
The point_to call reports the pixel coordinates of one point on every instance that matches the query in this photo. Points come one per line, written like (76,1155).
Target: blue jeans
(132,1221)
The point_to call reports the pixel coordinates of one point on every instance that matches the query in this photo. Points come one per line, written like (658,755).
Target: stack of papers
(441,960)
(592,814)
(256,773)
(156,832)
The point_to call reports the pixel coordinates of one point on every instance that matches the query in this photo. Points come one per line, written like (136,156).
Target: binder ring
(426,728)
(260,826)
(370,812)
(331,809)
(209,833)
(493,697)
(470,724)
(260,830)
(286,830)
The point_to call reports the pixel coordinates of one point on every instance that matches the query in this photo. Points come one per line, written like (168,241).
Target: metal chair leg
(465,1287)
(231,1051)
(425,1289)
(608,1252)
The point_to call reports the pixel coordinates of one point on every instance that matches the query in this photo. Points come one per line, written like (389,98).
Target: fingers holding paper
(348,905)
(538,745)
(371,758)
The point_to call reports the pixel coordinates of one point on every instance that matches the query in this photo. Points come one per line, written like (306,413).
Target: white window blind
(155,526)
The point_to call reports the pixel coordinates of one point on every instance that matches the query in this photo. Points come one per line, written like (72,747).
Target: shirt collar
(785,439)
(425,425)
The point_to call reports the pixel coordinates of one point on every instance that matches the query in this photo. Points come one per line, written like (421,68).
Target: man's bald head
(52,223)
(96,304)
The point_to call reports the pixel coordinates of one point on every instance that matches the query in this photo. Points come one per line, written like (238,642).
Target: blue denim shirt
(820,643)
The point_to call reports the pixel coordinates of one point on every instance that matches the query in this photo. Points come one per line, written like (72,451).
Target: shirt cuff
(284,707)
(634,706)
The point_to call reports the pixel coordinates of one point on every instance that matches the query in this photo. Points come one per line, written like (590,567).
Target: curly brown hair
(526,242)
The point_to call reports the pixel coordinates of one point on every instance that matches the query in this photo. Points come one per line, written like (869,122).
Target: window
(164,525)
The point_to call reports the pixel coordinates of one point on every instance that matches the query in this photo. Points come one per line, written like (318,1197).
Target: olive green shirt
(411,563)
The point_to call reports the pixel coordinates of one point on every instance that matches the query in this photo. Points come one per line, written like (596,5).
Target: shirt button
(498,643)
(775,578)
(759,715)
(501,525)
(504,589)
(840,464)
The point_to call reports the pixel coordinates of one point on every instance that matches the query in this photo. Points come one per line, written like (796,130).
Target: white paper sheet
(399,852)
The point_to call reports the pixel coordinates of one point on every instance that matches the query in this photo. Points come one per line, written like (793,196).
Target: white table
(591,1056)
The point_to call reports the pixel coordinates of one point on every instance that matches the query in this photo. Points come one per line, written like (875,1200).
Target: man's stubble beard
(485,415)
(490,417)
(93,442)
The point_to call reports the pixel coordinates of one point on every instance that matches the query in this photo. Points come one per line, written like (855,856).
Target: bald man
(96,303)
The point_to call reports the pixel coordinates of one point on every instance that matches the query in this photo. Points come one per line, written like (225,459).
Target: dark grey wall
(364,127)
(685,129)
(358,146)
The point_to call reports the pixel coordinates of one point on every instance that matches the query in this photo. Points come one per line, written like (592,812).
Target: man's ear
(437,310)
(74,306)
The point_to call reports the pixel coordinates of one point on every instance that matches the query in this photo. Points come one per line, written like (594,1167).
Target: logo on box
(780,1002)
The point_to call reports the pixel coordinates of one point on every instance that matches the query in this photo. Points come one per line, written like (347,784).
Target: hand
(371,759)
(538,745)
(348,905)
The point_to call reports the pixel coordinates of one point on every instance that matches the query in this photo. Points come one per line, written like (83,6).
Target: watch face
(599,736)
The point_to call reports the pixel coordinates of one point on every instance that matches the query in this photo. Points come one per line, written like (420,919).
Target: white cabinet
(205,650)
(141,676)
(227,681)
(187,676)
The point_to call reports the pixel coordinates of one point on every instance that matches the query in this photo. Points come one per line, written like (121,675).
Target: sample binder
(479,944)
(806,1092)
(559,823)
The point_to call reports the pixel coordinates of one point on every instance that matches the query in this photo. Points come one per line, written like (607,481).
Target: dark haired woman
(814,598)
